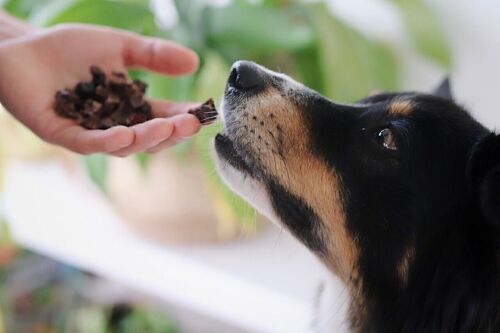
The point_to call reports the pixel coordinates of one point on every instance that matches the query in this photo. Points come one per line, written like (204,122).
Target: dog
(398,195)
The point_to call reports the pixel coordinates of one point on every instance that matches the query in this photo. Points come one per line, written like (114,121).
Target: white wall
(474,31)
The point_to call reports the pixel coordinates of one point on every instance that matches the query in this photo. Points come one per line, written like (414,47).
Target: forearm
(11,27)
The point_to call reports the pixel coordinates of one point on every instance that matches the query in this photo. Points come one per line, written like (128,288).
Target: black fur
(444,89)
(301,220)
(417,197)
(434,200)
(484,178)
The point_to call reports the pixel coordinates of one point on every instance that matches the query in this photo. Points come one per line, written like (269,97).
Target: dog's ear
(484,178)
(444,89)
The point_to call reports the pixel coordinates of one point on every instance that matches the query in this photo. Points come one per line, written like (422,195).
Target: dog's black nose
(246,75)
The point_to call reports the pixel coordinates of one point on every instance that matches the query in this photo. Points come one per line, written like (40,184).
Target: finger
(11,27)
(147,135)
(185,126)
(162,108)
(84,141)
(158,55)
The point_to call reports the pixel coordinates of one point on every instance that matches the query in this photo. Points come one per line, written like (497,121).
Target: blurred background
(158,243)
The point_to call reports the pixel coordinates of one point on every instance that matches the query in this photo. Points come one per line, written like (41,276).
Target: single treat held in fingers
(206,112)
(103,103)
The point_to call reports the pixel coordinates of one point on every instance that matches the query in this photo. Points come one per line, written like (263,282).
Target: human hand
(35,66)
(11,27)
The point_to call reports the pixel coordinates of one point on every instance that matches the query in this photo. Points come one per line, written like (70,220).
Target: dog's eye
(386,139)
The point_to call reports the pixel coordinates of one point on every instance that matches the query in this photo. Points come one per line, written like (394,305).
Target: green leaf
(309,71)
(146,321)
(279,3)
(22,8)
(424,29)
(190,30)
(187,10)
(88,319)
(97,169)
(129,15)
(257,29)
(5,235)
(143,160)
(171,88)
(352,65)
(211,79)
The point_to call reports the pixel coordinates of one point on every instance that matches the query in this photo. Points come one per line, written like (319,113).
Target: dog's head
(355,183)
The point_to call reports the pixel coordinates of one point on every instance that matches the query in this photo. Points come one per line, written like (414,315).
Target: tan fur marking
(401,108)
(288,158)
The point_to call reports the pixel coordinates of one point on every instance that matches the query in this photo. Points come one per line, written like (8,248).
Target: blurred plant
(125,319)
(38,294)
(303,39)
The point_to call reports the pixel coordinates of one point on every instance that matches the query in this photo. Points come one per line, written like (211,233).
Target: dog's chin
(238,176)
(225,150)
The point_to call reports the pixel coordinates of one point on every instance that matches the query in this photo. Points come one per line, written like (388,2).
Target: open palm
(35,66)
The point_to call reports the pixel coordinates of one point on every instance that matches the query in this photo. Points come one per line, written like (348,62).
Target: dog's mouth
(226,150)
(233,144)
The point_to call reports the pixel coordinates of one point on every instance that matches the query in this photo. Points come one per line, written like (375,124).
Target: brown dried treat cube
(146,110)
(101,93)
(65,106)
(137,118)
(65,96)
(106,123)
(117,77)
(141,86)
(98,76)
(91,123)
(137,100)
(206,112)
(91,108)
(85,89)
(109,107)
(103,103)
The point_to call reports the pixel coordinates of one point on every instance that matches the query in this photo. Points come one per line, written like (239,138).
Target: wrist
(11,27)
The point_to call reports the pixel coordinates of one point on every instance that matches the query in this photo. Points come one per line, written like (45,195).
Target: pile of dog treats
(106,102)
(103,103)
